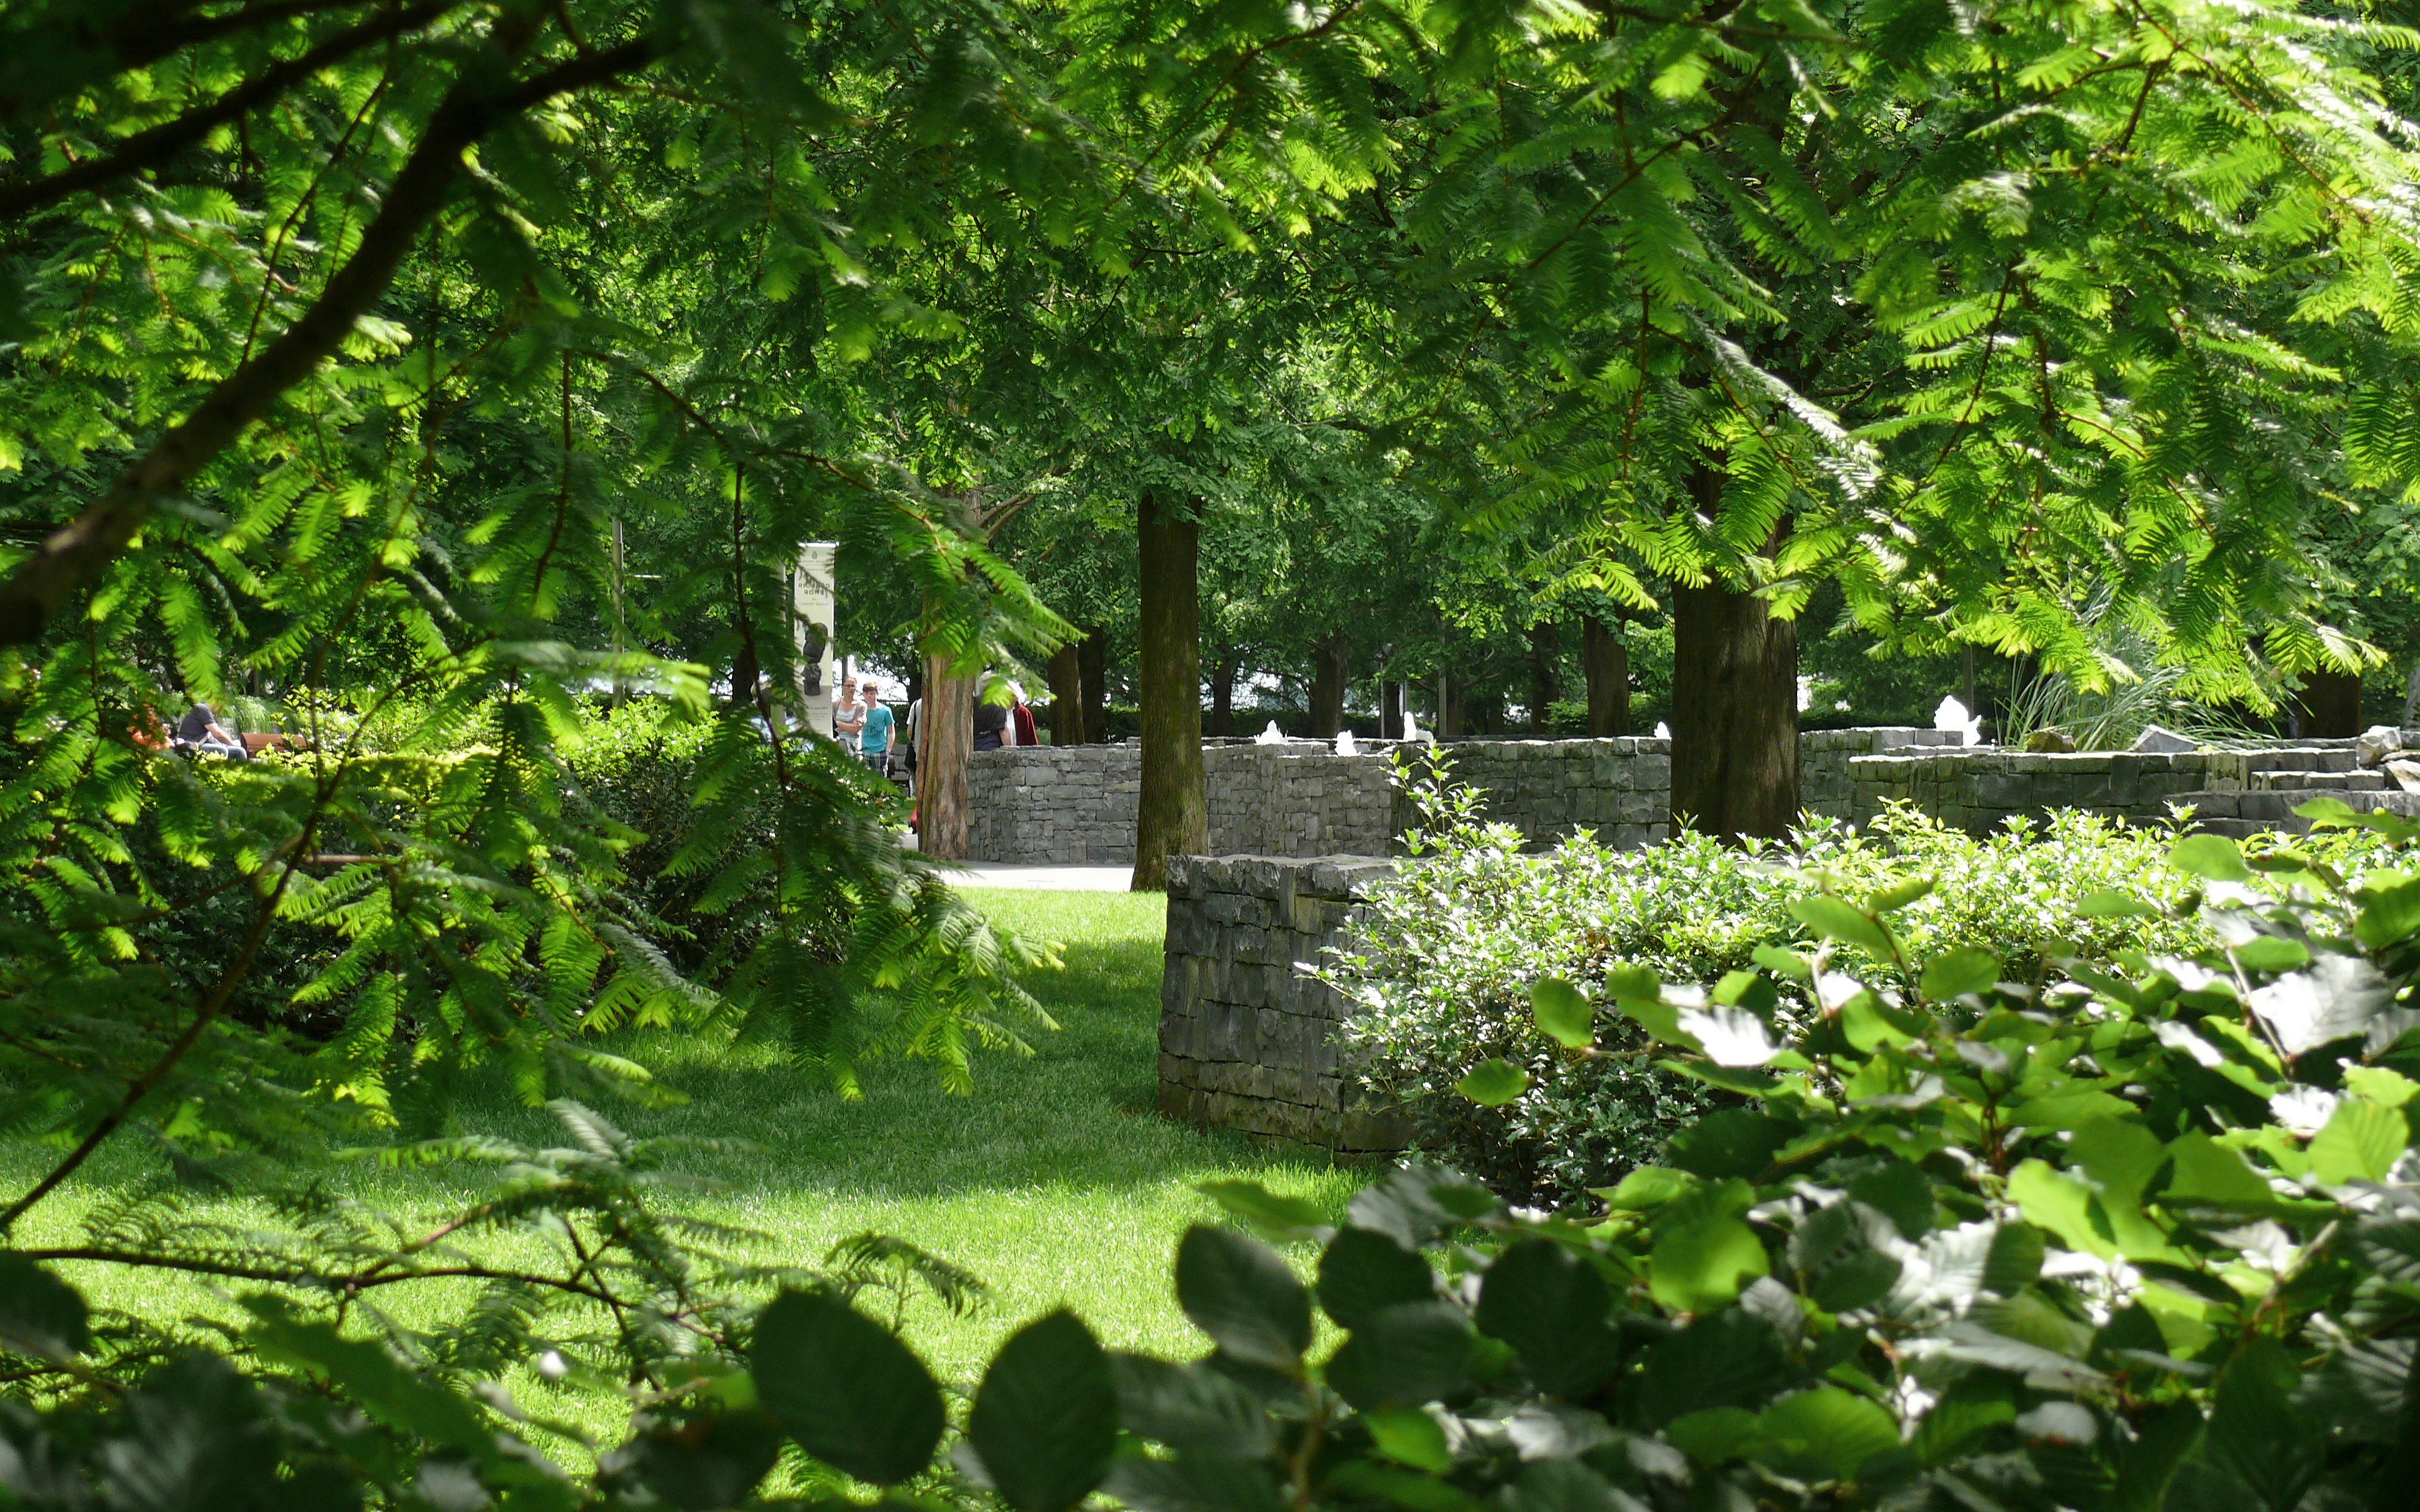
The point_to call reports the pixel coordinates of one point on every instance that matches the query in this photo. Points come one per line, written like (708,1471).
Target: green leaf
(2110,904)
(1646,1188)
(1730,1142)
(1732,1358)
(1408,1355)
(39,1313)
(1493,1082)
(2212,857)
(2207,1174)
(1828,1427)
(1195,1482)
(1783,961)
(1276,1218)
(846,1388)
(1244,1296)
(1703,1265)
(1362,1271)
(1833,920)
(1045,1418)
(2256,1431)
(1409,1435)
(1565,1016)
(1633,984)
(1859,1280)
(1193,1409)
(2360,1141)
(1550,1305)
(714,1460)
(1898,895)
(1956,973)
(2388,915)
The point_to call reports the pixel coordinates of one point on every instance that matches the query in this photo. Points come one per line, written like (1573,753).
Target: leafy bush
(1439,972)
(2140,1239)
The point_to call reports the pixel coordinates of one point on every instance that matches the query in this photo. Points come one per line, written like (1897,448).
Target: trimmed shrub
(1441,969)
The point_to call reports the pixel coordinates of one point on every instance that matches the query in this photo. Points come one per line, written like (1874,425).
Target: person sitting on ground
(874,730)
(200,730)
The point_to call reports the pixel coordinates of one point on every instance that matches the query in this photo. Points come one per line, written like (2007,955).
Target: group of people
(885,743)
(863,724)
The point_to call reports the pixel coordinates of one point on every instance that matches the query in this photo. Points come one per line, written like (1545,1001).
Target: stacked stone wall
(1074,805)
(1976,789)
(1247,1040)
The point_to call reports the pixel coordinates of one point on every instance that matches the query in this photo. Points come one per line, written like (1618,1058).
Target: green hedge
(1439,974)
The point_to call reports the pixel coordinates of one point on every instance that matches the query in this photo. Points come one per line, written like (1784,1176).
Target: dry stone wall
(1976,789)
(1074,805)
(1246,1039)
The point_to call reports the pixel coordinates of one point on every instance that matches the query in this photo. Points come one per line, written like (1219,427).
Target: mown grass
(1054,1181)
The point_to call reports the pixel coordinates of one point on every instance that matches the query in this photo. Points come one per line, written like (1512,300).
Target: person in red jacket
(1028,734)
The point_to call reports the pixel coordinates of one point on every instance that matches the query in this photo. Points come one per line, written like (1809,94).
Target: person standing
(1020,718)
(991,722)
(847,718)
(874,730)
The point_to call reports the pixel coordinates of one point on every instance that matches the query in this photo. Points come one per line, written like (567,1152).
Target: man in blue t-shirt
(874,735)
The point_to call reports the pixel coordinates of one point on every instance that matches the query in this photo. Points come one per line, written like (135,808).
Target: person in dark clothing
(990,720)
(199,730)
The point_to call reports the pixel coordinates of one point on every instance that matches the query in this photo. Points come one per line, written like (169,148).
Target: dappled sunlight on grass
(1054,1181)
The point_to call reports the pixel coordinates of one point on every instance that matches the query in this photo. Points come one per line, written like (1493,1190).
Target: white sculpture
(1271,736)
(1663,731)
(1953,715)
(1344,745)
(1413,734)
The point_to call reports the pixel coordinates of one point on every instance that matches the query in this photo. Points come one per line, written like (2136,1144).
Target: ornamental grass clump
(1440,969)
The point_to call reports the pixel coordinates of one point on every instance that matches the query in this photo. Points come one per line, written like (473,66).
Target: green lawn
(1054,1181)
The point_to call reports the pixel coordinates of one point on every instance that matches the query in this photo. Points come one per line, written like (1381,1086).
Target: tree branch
(150,149)
(78,553)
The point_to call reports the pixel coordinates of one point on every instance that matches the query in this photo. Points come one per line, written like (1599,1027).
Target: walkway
(1041,878)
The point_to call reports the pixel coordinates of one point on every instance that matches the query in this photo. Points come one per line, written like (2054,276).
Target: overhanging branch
(149,149)
(77,553)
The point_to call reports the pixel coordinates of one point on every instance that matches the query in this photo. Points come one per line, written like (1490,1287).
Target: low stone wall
(1976,789)
(1245,1040)
(1074,805)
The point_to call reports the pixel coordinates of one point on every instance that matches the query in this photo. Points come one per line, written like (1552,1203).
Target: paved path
(1045,878)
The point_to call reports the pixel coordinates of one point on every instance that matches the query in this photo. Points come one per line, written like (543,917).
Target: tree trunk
(1545,675)
(948,740)
(1331,663)
(1734,715)
(1171,816)
(1453,695)
(1066,696)
(1605,661)
(1391,710)
(1093,660)
(1222,694)
(2329,705)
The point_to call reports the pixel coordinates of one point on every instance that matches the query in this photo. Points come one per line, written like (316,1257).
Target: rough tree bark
(1066,696)
(1171,817)
(1093,660)
(1734,715)
(1545,675)
(2329,705)
(1604,660)
(1331,667)
(948,741)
